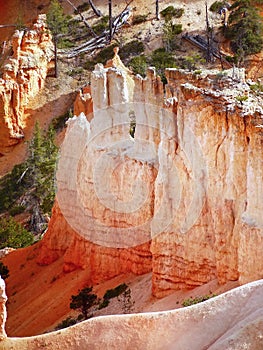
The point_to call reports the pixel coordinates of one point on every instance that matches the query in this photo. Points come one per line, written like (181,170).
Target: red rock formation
(100,262)
(24,75)
(190,181)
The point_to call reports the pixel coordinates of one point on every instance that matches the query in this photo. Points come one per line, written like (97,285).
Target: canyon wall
(183,198)
(24,74)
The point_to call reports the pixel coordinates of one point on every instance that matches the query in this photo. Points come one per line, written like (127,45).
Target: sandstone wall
(24,74)
(190,182)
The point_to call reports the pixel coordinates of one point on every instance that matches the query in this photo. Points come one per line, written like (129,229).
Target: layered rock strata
(189,182)
(24,74)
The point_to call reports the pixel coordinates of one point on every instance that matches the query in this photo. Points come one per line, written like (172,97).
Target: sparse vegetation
(193,301)
(101,25)
(242,98)
(127,302)
(57,23)
(4,271)
(60,122)
(115,292)
(30,185)
(170,32)
(217,6)
(17,209)
(257,87)
(83,301)
(161,59)
(171,12)
(139,19)
(82,8)
(14,235)
(138,64)
(132,48)
(69,321)
(245,29)
(192,62)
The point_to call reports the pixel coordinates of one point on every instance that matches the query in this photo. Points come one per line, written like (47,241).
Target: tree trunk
(94,8)
(110,20)
(83,18)
(157,10)
(56,57)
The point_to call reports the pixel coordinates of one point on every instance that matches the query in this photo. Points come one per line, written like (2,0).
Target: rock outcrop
(3,299)
(190,182)
(24,74)
(233,320)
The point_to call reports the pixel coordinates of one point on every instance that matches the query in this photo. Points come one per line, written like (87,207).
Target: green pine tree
(57,23)
(13,234)
(83,301)
(245,29)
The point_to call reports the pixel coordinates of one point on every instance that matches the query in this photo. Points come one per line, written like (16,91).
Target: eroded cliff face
(189,185)
(24,74)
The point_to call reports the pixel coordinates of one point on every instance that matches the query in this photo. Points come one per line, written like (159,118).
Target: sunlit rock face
(24,75)
(183,198)
(232,320)
(3,299)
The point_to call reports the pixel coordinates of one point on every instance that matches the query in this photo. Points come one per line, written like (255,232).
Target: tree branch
(83,18)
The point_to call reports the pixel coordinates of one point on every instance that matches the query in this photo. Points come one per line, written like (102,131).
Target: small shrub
(17,209)
(193,301)
(217,5)
(102,57)
(171,12)
(60,122)
(4,271)
(80,317)
(69,321)
(139,19)
(132,48)
(13,235)
(75,71)
(113,293)
(138,65)
(101,25)
(198,71)
(83,7)
(170,31)
(257,87)
(103,304)
(64,43)
(242,98)
(192,62)
(161,59)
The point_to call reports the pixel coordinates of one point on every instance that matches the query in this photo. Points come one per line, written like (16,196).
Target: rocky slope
(24,75)
(231,321)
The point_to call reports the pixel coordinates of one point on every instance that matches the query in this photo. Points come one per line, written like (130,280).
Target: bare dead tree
(94,8)
(83,18)
(157,10)
(119,17)
(110,20)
